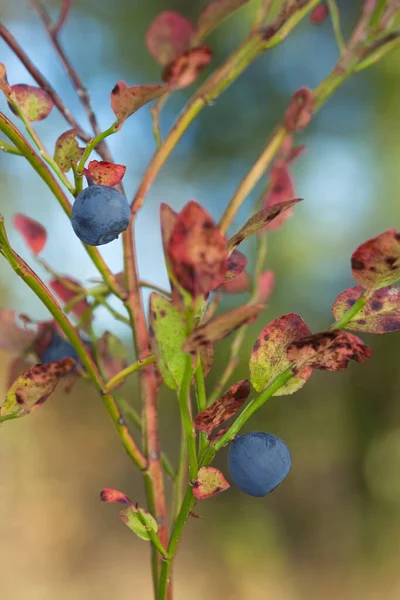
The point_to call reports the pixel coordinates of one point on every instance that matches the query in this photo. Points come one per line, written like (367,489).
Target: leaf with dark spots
(34,386)
(238,285)
(319,14)
(268,358)
(376,263)
(206,354)
(381,313)
(13,338)
(328,351)
(213,14)
(112,495)
(221,326)
(210,482)
(265,286)
(224,408)
(168,333)
(168,36)
(67,150)
(280,189)
(32,231)
(186,68)
(236,265)
(105,173)
(112,354)
(300,110)
(131,515)
(197,251)
(127,100)
(260,220)
(34,102)
(67,288)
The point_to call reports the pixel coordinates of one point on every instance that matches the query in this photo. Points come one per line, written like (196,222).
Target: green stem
(92,145)
(186,508)
(9,148)
(7,127)
(152,534)
(180,481)
(190,432)
(122,375)
(335,18)
(357,306)
(201,398)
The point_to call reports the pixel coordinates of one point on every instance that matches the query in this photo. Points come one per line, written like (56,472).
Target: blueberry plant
(175,337)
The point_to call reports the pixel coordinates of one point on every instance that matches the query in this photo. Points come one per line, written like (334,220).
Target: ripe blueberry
(258,462)
(99,215)
(58,349)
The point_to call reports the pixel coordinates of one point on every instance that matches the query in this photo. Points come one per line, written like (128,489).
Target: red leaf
(221,326)
(197,251)
(168,36)
(210,482)
(266,284)
(34,102)
(167,219)
(67,288)
(186,68)
(31,389)
(268,358)
(238,285)
(33,232)
(281,189)
(112,495)
(319,14)
(12,337)
(328,351)
(300,110)
(381,313)
(105,173)
(214,13)
(224,408)
(261,219)
(127,100)
(376,263)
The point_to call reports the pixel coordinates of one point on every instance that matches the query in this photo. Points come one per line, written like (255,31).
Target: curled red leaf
(32,231)
(197,251)
(105,173)
(186,68)
(328,351)
(300,110)
(168,36)
(223,408)
(112,495)
(281,189)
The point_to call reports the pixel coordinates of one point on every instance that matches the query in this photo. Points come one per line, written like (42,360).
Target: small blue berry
(99,215)
(58,349)
(258,462)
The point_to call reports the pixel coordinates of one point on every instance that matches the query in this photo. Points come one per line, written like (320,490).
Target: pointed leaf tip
(210,482)
(169,35)
(268,358)
(113,495)
(105,173)
(127,100)
(32,231)
(376,263)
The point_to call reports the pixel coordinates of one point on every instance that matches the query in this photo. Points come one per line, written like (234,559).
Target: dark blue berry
(58,349)
(99,215)
(258,462)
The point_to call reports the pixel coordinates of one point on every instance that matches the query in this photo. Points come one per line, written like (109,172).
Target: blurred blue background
(332,529)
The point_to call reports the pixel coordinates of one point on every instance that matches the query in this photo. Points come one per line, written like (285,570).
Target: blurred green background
(332,529)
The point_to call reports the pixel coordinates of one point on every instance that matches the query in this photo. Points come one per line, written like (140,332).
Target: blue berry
(258,462)
(58,349)
(99,215)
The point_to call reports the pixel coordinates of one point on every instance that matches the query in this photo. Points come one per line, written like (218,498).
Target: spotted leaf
(210,482)
(127,100)
(67,150)
(105,173)
(376,263)
(268,358)
(223,408)
(34,102)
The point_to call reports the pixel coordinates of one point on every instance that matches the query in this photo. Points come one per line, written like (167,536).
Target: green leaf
(34,102)
(34,386)
(168,333)
(67,150)
(380,314)
(268,358)
(130,517)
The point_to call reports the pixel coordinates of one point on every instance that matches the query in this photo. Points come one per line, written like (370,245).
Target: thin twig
(64,11)
(122,375)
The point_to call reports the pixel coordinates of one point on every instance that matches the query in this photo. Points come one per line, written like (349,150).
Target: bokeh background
(332,529)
